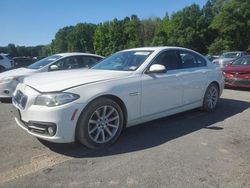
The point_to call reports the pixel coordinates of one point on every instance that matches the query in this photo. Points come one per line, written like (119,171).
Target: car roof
(160,48)
(77,53)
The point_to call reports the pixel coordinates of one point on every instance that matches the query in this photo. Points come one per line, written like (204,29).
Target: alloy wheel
(212,97)
(103,124)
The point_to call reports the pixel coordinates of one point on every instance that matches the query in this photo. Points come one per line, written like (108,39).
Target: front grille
(20,99)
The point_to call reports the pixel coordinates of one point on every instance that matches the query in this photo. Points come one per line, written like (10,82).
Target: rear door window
(190,59)
(87,61)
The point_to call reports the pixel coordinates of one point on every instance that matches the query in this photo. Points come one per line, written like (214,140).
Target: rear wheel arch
(217,84)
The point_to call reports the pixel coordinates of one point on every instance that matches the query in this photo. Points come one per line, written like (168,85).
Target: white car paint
(15,76)
(145,96)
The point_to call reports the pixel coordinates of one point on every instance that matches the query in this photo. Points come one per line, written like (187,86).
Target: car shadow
(157,132)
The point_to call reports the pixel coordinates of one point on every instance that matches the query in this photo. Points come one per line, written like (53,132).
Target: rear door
(193,75)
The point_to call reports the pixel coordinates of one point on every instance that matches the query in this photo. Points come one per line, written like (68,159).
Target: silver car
(228,57)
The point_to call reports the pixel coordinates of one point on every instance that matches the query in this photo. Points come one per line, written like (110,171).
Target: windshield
(43,62)
(231,55)
(123,61)
(242,61)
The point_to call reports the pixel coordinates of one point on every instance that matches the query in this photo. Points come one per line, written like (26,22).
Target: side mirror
(53,68)
(157,68)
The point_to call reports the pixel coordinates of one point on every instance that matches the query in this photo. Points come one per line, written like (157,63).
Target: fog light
(51,131)
(6,91)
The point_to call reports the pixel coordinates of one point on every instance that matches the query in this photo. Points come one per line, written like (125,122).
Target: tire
(211,98)
(100,124)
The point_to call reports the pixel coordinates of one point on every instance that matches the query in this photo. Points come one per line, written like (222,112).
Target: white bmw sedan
(56,62)
(128,88)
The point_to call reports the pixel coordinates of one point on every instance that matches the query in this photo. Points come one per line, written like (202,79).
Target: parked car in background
(57,62)
(237,74)
(228,57)
(212,57)
(125,89)
(5,62)
(22,61)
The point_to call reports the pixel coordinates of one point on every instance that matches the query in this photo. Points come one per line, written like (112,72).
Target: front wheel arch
(115,99)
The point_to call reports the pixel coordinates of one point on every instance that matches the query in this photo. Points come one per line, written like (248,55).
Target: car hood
(63,80)
(237,68)
(17,73)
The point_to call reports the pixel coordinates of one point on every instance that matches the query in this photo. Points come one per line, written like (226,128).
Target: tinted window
(242,61)
(191,60)
(87,61)
(169,59)
(66,63)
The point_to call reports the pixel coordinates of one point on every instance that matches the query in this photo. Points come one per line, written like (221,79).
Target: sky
(35,22)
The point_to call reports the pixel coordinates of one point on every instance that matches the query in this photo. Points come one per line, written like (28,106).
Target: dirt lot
(191,149)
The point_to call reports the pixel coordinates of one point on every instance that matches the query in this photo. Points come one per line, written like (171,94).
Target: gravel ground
(191,149)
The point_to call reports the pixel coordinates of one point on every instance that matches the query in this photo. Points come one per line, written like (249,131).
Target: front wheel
(211,98)
(100,124)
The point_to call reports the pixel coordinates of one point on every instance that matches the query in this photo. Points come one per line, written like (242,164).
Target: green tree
(161,33)
(233,25)
(133,32)
(61,39)
(186,29)
(12,51)
(81,37)
(149,27)
(116,41)
(101,39)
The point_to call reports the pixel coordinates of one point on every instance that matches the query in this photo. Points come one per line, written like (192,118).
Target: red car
(237,74)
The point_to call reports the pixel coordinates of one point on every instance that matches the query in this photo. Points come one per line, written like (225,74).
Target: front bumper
(36,120)
(61,117)
(237,82)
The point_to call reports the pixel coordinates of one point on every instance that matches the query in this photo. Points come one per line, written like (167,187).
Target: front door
(162,91)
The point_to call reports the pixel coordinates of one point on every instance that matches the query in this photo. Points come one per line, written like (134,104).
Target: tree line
(220,25)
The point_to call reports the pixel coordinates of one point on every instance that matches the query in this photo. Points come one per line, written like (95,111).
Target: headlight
(55,99)
(7,79)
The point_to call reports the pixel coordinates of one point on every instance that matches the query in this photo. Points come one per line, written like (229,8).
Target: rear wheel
(100,124)
(211,98)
